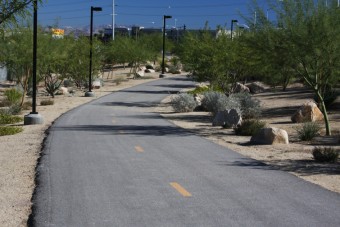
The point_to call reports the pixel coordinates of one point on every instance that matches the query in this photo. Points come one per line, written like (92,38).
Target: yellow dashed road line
(180,189)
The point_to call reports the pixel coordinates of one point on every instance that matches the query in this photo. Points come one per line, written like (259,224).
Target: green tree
(307,35)
(16,55)
(52,61)
(12,9)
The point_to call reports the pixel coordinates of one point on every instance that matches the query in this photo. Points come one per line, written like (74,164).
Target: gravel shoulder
(278,107)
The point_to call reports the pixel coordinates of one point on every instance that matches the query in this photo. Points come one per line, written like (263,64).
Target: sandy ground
(19,153)
(278,107)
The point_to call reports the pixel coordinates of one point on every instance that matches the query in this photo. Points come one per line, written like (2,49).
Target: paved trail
(114,163)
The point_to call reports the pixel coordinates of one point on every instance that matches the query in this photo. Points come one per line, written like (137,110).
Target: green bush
(47,102)
(325,154)
(183,103)
(148,66)
(329,97)
(8,119)
(250,107)
(308,130)
(13,96)
(199,90)
(10,130)
(249,127)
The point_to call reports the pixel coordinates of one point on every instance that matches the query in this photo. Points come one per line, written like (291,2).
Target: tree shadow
(280,111)
(137,130)
(130,104)
(302,167)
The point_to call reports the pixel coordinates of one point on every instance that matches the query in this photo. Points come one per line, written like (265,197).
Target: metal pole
(113,19)
(231,33)
(90,68)
(35,31)
(163,68)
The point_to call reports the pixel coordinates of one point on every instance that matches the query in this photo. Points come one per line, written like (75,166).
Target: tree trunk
(25,86)
(325,115)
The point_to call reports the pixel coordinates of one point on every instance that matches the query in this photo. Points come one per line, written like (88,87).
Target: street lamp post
(231,30)
(90,93)
(163,65)
(34,117)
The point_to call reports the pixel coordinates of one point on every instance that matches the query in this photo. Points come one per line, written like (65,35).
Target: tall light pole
(90,93)
(113,19)
(232,26)
(163,65)
(34,117)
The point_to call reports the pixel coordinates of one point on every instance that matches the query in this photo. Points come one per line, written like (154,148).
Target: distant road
(112,163)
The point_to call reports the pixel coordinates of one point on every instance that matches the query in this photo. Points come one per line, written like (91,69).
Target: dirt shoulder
(278,107)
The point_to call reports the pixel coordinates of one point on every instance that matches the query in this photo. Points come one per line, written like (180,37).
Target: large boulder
(270,136)
(227,118)
(256,87)
(241,88)
(308,112)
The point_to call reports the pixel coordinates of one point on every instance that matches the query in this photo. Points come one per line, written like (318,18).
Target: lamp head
(167,17)
(96,9)
(234,21)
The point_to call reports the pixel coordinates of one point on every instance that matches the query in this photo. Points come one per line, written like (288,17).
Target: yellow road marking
(180,189)
(139,149)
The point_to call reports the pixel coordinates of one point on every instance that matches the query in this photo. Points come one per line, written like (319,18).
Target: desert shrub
(144,78)
(148,66)
(68,83)
(250,107)
(26,105)
(47,102)
(215,101)
(174,70)
(325,154)
(183,103)
(9,119)
(118,80)
(13,96)
(14,109)
(308,130)
(10,130)
(329,96)
(249,127)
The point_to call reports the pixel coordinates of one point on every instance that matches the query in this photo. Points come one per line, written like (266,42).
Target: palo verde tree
(11,10)
(309,36)
(53,62)
(216,59)
(16,55)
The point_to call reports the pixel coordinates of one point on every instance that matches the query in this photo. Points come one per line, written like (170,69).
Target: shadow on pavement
(128,130)
(303,167)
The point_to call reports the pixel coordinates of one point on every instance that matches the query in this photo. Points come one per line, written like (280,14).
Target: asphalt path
(112,162)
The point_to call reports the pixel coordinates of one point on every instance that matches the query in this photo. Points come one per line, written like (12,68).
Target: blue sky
(147,13)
